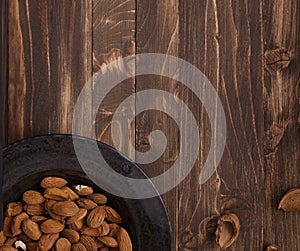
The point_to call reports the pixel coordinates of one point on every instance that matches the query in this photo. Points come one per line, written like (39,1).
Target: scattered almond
(290,202)
(272,248)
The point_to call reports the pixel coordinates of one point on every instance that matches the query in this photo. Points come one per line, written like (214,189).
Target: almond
(47,241)
(272,248)
(33,197)
(290,202)
(82,212)
(112,215)
(31,229)
(55,193)
(71,194)
(104,229)
(52,226)
(96,217)
(38,218)
(63,244)
(51,182)
(108,241)
(71,235)
(10,241)
(78,247)
(89,243)
(86,203)
(34,209)
(77,225)
(114,229)
(98,198)
(17,222)
(94,232)
(124,240)
(83,190)
(13,209)
(228,230)
(65,208)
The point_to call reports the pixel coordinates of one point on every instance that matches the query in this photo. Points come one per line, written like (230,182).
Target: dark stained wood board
(249,50)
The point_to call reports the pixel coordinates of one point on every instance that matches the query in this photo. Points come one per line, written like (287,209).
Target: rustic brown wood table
(249,50)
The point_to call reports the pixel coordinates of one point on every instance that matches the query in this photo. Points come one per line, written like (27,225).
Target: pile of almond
(63,219)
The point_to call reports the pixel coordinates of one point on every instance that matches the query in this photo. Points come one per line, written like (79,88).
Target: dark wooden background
(249,50)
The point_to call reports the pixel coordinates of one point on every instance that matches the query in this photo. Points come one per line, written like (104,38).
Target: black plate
(28,161)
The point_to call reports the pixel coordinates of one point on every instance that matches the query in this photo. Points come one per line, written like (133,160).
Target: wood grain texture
(224,40)
(158,31)
(281,117)
(114,38)
(49,62)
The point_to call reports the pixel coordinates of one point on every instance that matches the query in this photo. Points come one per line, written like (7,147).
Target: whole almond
(94,232)
(71,194)
(51,182)
(52,226)
(108,241)
(228,230)
(86,203)
(290,202)
(34,209)
(78,247)
(13,209)
(55,193)
(124,240)
(65,208)
(33,197)
(38,218)
(272,248)
(72,235)
(63,244)
(32,246)
(96,217)
(83,190)
(7,226)
(98,198)
(82,212)
(2,238)
(31,229)
(104,229)
(112,215)
(47,241)
(77,225)
(17,222)
(89,243)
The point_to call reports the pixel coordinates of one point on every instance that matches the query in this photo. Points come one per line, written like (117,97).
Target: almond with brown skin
(32,246)
(86,203)
(47,241)
(108,241)
(55,193)
(83,190)
(124,240)
(71,194)
(112,215)
(33,197)
(104,229)
(70,234)
(94,232)
(96,217)
(228,230)
(89,243)
(290,202)
(17,222)
(63,244)
(78,247)
(34,209)
(98,198)
(38,218)
(31,229)
(7,226)
(2,238)
(272,248)
(82,212)
(65,208)
(51,182)
(13,209)
(114,229)
(77,225)
(52,226)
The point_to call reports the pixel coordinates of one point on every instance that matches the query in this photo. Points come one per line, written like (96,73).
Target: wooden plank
(114,38)
(282,117)
(158,31)
(223,39)
(3,81)
(49,62)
